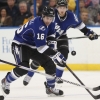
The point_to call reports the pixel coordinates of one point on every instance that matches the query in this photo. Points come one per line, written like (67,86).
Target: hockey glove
(58,58)
(93,36)
(53,45)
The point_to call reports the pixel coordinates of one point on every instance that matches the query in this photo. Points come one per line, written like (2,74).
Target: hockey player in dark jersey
(30,42)
(64,20)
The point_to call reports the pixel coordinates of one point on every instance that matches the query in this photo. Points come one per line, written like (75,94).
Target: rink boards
(83,67)
(87,52)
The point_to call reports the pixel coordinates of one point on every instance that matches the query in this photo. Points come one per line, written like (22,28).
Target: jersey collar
(60,18)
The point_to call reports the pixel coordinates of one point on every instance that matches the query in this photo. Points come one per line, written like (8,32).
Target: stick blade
(96,88)
(97,97)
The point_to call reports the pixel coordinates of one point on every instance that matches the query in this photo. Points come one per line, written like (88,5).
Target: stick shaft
(81,37)
(49,76)
(95,97)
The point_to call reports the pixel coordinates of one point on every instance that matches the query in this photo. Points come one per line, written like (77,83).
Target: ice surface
(36,89)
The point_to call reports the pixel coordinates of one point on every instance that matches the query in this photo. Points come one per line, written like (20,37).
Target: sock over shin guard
(11,77)
(59,70)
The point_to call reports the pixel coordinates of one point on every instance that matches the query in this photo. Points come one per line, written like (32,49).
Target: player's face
(47,20)
(61,10)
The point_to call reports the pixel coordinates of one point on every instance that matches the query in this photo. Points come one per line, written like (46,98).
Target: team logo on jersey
(58,29)
(42,28)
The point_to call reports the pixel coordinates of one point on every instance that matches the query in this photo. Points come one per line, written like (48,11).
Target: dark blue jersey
(70,21)
(34,33)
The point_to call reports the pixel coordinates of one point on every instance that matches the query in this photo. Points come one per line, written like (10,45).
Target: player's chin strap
(81,37)
(94,89)
(49,76)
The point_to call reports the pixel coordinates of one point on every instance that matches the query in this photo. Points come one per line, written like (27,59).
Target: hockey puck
(1,97)
(73,53)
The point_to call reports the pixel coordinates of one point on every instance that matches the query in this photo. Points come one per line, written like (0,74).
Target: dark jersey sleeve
(75,21)
(81,26)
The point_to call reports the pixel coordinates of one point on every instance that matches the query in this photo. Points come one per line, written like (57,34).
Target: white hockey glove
(53,45)
(58,58)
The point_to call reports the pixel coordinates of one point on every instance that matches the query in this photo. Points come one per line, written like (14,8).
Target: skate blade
(2,93)
(53,95)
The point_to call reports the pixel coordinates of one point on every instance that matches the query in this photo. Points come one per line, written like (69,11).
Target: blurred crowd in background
(18,12)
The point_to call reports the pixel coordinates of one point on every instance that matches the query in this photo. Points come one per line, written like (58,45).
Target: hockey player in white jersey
(30,42)
(64,20)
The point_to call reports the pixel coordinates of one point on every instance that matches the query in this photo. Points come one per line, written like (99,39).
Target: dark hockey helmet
(62,3)
(48,11)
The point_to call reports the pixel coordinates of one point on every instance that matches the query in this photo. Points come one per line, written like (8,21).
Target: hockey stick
(81,37)
(49,76)
(95,97)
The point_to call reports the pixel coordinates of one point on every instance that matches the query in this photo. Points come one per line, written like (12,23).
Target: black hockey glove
(93,36)
(58,58)
(88,32)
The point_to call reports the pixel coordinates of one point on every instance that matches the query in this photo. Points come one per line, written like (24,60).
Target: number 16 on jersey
(40,36)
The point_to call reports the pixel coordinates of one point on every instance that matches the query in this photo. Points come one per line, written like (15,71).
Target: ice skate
(1,97)
(58,80)
(52,91)
(2,93)
(5,86)
(26,80)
